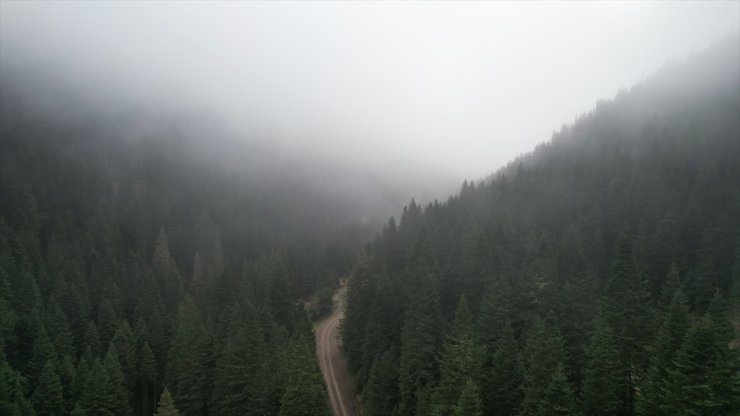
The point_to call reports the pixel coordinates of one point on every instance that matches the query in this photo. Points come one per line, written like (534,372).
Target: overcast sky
(463,86)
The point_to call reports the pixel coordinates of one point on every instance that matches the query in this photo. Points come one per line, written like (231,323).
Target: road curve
(328,349)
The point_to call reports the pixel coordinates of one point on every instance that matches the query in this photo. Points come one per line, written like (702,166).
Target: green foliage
(98,395)
(469,403)
(47,398)
(705,380)
(603,385)
(305,392)
(380,395)
(166,405)
(558,398)
(191,361)
(670,338)
(461,358)
(502,382)
(544,355)
(238,375)
(120,395)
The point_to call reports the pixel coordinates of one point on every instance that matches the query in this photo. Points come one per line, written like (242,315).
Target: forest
(153,262)
(140,266)
(597,275)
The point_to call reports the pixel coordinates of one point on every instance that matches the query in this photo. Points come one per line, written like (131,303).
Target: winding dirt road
(338,381)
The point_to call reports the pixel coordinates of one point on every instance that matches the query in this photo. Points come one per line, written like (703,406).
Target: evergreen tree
(502,383)
(166,405)
(305,393)
(98,396)
(47,398)
(147,371)
(237,379)
(380,395)
(603,383)
(418,357)
(558,397)
(669,340)
(544,354)
(120,394)
(469,403)
(626,309)
(190,361)
(705,380)
(461,358)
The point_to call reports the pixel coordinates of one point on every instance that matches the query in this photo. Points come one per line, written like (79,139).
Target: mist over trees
(149,261)
(596,275)
(157,258)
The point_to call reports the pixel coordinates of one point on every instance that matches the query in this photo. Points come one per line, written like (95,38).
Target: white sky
(462,86)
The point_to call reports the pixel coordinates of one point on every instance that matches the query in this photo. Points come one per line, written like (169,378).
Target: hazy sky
(463,86)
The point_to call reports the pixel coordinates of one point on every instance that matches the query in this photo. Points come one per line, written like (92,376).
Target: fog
(456,88)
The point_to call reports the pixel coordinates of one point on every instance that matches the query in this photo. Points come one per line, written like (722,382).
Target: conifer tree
(469,403)
(380,395)
(305,393)
(166,405)
(418,356)
(461,358)
(190,361)
(147,371)
(503,379)
(670,338)
(558,397)
(705,380)
(603,384)
(125,346)
(47,398)
(120,394)
(544,354)
(626,308)
(237,377)
(98,396)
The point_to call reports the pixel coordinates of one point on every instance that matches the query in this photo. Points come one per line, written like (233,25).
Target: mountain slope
(591,234)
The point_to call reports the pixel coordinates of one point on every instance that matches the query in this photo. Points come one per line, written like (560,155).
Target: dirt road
(338,381)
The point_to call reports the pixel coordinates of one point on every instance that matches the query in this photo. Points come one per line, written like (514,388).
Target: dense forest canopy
(155,261)
(593,276)
(147,252)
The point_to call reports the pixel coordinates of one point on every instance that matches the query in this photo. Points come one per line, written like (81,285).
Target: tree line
(598,275)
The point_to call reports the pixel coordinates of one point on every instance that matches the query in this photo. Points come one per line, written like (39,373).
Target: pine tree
(558,397)
(603,384)
(705,380)
(190,361)
(121,395)
(125,346)
(625,307)
(166,405)
(469,403)
(670,338)
(502,384)
(147,371)
(461,357)
(305,393)
(495,310)
(380,395)
(97,396)
(418,357)
(544,354)
(47,398)
(237,379)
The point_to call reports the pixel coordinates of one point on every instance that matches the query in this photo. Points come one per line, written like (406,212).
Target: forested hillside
(594,276)
(145,257)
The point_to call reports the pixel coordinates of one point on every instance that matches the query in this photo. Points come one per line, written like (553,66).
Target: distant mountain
(143,248)
(587,276)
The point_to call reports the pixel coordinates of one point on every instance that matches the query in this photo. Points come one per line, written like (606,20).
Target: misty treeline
(598,275)
(148,264)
